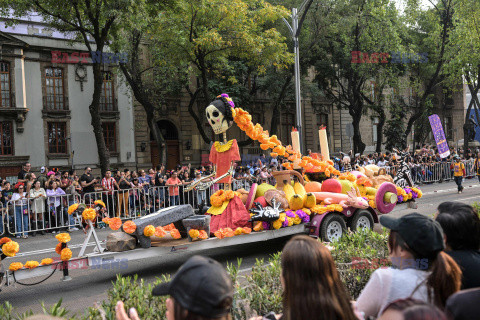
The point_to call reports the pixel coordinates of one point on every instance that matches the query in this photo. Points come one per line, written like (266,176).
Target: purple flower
(266,225)
(290,214)
(285,223)
(400,199)
(414,195)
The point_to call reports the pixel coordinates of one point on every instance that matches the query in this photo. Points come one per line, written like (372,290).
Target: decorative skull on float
(220,113)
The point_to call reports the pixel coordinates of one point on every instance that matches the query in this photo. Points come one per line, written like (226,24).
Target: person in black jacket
(461,226)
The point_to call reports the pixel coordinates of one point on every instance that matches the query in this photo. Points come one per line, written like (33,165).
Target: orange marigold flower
(106,220)
(129,226)
(100,202)
(89,214)
(169,228)
(115,223)
(63,237)
(238,231)
(247,230)
(160,232)
(58,248)
(193,233)
(175,234)
(203,235)
(72,208)
(219,234)
(149,231)
(31,264)
(258,226)
(66,254)
(15,266)
(229,194)
(227,232)
(4,240)
(10,248)
(46,261)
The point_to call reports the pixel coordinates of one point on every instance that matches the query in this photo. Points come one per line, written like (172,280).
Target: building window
(6,134)
(110,136)
(5,92)
(55,98)
(288,122)
(322,119)
(57,137)
(106,98)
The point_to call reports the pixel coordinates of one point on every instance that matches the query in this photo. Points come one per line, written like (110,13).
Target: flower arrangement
(224,233)
(46,261)
(193,233)
(149,231)
(169,227)
(4,240)
(63,237)
(160,232)
(58,248)
(14,266)
(175,234)
(89,214)
(72,208)
(203,235)
(129,227)
(31,264)
(408,193)
(100,203)
(10,249)
(321,209)
(115,223)
(66,254)
(244,230)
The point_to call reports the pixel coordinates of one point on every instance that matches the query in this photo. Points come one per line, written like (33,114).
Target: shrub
(357,255)
(133,293)
(476,206)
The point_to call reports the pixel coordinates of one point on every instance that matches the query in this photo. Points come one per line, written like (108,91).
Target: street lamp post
(295,28)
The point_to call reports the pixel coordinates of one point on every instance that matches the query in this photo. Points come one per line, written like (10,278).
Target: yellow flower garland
(63,237)
(31,264)
(89,214)
(46,261)
(66,254)
(149,231)
(14,266)
(10,248)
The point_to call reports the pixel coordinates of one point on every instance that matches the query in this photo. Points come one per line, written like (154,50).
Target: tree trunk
(358,145)
(103,154)
(159,139)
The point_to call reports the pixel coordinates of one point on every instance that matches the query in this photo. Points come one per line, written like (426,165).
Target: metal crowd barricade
(3,222)
(25,216)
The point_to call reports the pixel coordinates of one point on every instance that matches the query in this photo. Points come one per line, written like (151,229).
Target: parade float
(310,196)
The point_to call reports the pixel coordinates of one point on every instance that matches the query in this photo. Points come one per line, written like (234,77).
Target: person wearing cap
(458,173)
(200,290)
(421,270)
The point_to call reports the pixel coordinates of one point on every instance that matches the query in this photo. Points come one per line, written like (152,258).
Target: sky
(402,3)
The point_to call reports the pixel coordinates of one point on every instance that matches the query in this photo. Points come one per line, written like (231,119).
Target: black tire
(333,227)
(361,219)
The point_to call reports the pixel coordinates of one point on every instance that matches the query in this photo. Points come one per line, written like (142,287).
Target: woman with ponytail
(421,270)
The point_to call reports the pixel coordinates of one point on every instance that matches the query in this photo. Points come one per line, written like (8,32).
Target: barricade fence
(22,216)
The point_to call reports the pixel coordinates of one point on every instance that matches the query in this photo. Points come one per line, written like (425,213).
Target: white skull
(217,120)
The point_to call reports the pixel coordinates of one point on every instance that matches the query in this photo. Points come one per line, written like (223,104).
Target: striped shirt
(108,184)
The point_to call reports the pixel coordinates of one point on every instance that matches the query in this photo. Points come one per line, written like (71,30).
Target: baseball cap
(200,285)
(422,234)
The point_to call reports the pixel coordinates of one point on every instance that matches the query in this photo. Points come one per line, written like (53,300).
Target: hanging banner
(439,136)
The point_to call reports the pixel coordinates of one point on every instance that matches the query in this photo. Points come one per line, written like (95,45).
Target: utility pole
(295,28)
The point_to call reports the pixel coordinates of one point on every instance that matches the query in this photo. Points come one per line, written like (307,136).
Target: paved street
(89,286)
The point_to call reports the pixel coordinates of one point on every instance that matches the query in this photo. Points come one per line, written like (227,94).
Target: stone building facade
(44,115)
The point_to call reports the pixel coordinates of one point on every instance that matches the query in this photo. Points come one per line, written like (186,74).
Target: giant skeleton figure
(223,155)
(403,177)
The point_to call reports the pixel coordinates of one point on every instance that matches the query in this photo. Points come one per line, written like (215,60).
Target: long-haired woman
(311,283)
(421,269)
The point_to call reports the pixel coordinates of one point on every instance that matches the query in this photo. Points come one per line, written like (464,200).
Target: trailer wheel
(362,220)
(333,227)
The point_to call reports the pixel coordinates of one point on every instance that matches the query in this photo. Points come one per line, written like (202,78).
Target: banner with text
(439,135)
